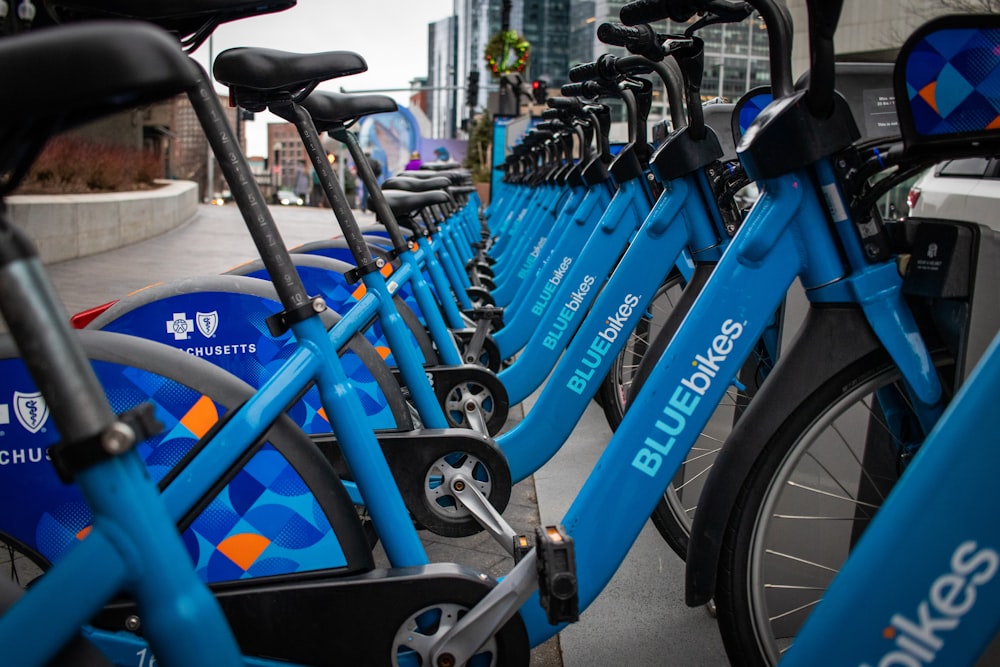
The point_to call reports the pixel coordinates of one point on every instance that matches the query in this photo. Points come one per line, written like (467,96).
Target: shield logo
(30,410)
(208,323)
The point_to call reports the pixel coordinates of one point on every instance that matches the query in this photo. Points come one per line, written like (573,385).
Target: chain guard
(477,381)
(315,619)
(413,454)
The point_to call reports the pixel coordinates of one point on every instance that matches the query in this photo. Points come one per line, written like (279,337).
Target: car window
(969,167)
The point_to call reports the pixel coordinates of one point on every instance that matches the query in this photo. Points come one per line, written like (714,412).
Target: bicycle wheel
(19,564)
(818,482)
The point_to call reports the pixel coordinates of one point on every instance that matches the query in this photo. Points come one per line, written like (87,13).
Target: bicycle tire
(830,458)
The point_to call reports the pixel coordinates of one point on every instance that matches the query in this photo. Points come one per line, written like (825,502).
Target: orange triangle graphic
(200,418)
(927,93)
(244,549)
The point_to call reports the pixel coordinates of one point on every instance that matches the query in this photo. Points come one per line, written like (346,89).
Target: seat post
(294,112)
(247,194)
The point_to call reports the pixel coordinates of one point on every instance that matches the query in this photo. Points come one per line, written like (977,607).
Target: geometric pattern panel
(265,521)
(230,330)
(953,81)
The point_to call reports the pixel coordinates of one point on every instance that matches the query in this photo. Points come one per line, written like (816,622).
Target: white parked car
(289,198)
(966,189)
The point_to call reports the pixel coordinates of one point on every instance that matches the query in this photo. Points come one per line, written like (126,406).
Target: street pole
(209,193)
(508,102)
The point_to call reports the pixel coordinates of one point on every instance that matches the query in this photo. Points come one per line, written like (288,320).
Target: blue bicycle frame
(679,220)
(785,235)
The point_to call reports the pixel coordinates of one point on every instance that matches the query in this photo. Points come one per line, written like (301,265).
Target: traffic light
(540,90)
(472,92)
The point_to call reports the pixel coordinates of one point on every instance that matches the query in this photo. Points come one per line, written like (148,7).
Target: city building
(288,163)
(187,155)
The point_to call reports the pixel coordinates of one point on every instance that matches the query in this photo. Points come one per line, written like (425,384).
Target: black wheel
(19,564)
(815,487)
(480,297)
(486,283)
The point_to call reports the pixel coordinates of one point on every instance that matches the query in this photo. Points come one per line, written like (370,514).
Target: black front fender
(831,338)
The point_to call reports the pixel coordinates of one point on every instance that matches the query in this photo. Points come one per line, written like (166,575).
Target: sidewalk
(640,619)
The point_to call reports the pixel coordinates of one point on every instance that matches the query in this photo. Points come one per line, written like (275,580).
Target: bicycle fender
(831,337)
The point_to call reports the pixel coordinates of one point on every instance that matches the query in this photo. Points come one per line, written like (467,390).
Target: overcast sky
(390,34)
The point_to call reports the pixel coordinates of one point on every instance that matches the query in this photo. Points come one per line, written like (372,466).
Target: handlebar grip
(583,72)
(643,11)
(562,103)
(584,89)
(617,34)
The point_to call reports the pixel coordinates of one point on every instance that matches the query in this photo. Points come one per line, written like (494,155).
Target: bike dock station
(650,574)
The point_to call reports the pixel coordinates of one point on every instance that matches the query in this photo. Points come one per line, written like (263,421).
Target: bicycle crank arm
(473,500)
(550,566)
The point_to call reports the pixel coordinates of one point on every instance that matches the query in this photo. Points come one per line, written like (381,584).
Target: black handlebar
(568,103)
(587,89)
(641,39)
(823,19)
(647,11)
(584,72)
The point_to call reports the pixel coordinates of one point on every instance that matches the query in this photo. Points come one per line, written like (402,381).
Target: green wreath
(507,52)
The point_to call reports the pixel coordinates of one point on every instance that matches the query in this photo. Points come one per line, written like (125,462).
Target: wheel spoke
(803,561)
(829,494)
(796,610)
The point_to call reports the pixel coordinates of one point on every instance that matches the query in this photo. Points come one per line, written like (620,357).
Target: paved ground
(639,620)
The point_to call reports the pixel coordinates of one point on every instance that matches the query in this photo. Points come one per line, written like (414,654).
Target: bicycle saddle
(329,109)
(279,73)
(408,184)
(456,176)
(181,17)
(403,204)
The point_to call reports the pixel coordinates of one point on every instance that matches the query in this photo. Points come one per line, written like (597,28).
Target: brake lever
(721,11)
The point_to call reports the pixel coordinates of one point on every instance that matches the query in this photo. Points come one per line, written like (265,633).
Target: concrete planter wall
(70,226)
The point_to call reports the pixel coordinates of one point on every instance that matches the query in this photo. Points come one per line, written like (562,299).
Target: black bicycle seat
(328,109)
(456,176)
(180,17)
(408,184)
(280,72)
(403,204)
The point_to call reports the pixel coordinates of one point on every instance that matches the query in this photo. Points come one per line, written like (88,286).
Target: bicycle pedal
(522,547)
(485,313)
(557,583)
